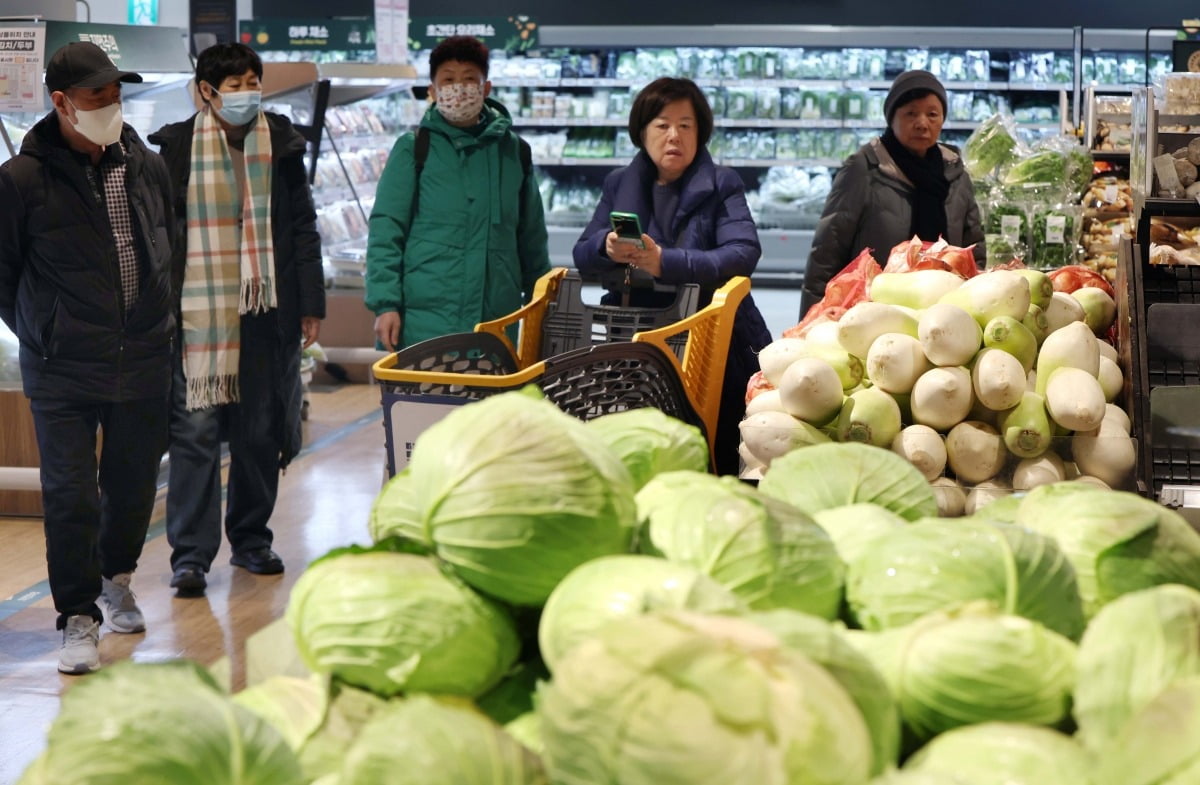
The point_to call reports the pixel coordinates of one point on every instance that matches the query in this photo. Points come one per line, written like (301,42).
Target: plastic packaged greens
(768,102)
(1055,236)
(992,145)
(1010,221)
(791,103)
(791,63)
(740,102)
(854,105)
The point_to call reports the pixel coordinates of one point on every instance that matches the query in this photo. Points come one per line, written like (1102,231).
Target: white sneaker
(119,606)
(80,638)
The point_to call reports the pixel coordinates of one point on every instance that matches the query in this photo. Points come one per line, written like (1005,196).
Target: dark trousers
(252,427)
(96,515)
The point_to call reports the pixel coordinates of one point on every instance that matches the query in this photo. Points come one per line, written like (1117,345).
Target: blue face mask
(240,108)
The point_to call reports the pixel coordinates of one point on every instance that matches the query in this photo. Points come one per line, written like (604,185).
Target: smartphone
(628,228)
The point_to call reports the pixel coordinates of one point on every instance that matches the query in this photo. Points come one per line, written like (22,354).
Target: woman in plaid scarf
(250,289)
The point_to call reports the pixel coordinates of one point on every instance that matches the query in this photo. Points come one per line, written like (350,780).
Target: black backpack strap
(420,154)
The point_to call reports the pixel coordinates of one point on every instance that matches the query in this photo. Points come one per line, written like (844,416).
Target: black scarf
(928,175)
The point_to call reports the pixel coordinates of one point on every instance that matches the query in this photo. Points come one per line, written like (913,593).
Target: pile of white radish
(989,385)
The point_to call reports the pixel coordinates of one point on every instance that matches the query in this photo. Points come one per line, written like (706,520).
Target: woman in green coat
(458,237)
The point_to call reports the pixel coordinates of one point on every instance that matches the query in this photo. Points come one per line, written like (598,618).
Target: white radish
(951,498)
(975,451)
(750,461)
(823,334)
(983,494)
(1062,310)
(870,416)
(923,447)
(1072,346)
(776,356)
(915,289)
(1045,469)
(1099,310)
(1108,453)
(1075,400)
(992,294)
(864,322)
(895,361)
(1095,482)
(767,435)
(767,401)
(812,390)
(848,367)
(1107,350)
(999,379)
(948,334)
(1115,415)
(942,398)
(1112,381)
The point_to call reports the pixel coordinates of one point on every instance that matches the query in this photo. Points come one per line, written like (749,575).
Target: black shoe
(260,561)
(189,581)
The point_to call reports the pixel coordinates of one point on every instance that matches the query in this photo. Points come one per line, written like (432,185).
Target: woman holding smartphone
(695,228)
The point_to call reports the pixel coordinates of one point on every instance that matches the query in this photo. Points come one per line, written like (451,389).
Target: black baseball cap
(83,64)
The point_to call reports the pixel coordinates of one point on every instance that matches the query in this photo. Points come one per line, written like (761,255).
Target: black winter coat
(299,278)
(60,280)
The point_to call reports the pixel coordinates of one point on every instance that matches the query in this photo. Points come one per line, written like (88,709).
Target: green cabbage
(1134,647)
(392,622)
(1160,745)
(1118,542)
(349,709)
(514,493)
(396,512)
(426,741)
(604,589)
(938,564)
(824,476)
(821,642)
(901,777)
(989,146)
(673,698)
(649,443)
(973,665)
(159,723)
(513,696)
(767,552)
(1002,509)
(855,526)
(527,729)
(294,706)
(1002,753)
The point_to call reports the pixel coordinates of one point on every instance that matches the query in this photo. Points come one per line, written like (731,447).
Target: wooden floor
(324,501)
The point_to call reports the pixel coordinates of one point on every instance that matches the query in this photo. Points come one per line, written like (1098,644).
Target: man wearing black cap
(85,285)
(899,185)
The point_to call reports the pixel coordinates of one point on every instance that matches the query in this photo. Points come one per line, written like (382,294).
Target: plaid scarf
(230,270)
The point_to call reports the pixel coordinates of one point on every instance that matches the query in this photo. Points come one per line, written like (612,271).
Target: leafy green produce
(1134,648)
(764,550)
(1160,745)
(393,622)
(1053,238)
(1048,166)
(514,493)
(611,587)
(1015,228)
(1002,753)
(649,443)
(1118,542)
(159,722)
(674,698)
(990,146)
(294,706)
(939,564)
(428,741)
(855,526)
(824,476)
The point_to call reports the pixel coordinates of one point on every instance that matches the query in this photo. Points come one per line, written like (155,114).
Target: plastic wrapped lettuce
(514,494)
(423,740)
(970,666)
(612,587)
(392,622)
(1133,649)
(1160,745)
(992,145)
(1046,166)
(159,722)
(1118,542)
(822,642)
(938,564)
(825,476)
(1004,753)
(649,442)
(674,698)
(767,552)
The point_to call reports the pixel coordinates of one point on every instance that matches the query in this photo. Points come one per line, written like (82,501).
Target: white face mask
(99,126)
(460,103)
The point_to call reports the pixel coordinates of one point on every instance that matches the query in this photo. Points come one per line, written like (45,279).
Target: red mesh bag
(844,290)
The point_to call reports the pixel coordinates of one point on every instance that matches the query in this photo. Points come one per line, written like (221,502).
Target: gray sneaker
(80,638)
(119,606)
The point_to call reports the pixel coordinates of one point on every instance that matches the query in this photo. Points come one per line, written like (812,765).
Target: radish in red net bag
(916,254)
(844,290)
(1076,276)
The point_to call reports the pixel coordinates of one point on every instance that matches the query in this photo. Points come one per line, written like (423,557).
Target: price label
(1110,194)
(1010,228)
(1056,229)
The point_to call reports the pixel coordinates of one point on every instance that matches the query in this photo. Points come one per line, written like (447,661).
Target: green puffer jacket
(478,244)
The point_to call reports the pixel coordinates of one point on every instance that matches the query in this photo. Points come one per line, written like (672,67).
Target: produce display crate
(420,384)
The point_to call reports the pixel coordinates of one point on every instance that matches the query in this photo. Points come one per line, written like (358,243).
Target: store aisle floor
(324,501)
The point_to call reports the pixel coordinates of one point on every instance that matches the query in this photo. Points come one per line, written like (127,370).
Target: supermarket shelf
(755,122)
(802,84)
(741,163)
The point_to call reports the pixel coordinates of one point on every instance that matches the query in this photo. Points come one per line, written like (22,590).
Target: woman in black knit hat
(900,184)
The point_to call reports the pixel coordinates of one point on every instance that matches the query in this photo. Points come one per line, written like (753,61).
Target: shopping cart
(612,360)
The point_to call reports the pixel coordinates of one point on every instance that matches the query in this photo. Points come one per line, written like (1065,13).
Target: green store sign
(512,34)
(131,47)
(293,35)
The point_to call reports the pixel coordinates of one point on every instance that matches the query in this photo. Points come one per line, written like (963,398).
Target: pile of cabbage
(988,385)
(552,601)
